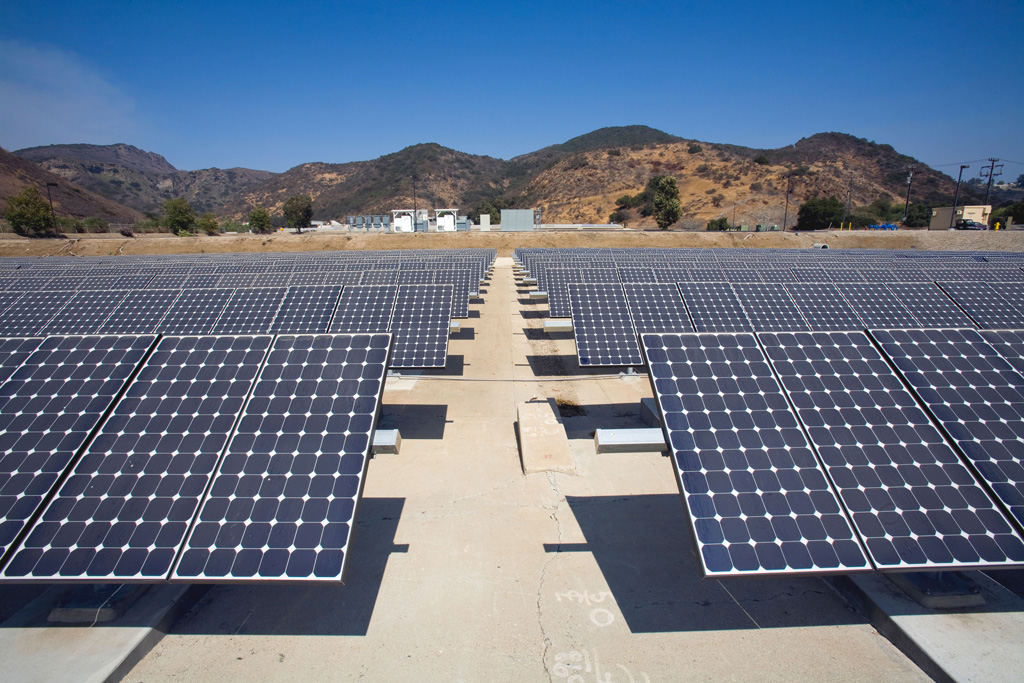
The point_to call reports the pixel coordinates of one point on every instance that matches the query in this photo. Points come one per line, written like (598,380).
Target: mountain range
(578,181)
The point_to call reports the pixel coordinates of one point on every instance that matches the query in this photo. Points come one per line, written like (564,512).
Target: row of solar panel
(608,317)
(823,452)
(464,279)
(418,315)
(133,458)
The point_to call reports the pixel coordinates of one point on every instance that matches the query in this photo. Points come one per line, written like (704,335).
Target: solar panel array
(857,389)
(122,439)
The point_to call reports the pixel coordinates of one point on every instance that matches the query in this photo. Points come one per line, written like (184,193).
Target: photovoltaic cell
(13,352)
(656,307)
(985,306)
(769,308)
(250,310)
(85,312)
(823,307)
(48,408)
(758,500)
(306,310)
(283,501)
(140,312)
(195,311)
(30,313)
(123,512)
(911,499)
(364,309)
(713,307)
(602,326)
(420,324)
(929,305)
(877,306)
(975,394)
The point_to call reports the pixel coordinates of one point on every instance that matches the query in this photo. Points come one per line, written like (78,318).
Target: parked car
(965,224)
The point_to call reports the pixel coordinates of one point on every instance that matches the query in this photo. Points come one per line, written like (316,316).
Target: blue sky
(271,85)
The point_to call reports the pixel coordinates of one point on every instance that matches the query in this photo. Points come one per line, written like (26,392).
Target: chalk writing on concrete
(585,666)
(599,616)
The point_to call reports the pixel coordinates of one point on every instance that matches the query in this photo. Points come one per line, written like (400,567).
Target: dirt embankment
(505,243)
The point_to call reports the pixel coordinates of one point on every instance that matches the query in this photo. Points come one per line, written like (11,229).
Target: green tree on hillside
(179,216)
(259,221)
(667,207)
(29,214)
(298,212)
(718,224)
(818,213)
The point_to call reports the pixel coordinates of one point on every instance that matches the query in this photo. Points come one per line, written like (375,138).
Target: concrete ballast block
(629,440)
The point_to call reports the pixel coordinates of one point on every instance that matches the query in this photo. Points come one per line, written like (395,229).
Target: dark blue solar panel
(656,307)
(823,307)
(420,323)
(929,305)
(306,310)
(986,307)
(48,408)
(912,500)
(30,313)
(364,308)
(975,394)
(250,310)
(140,312)
(602,326)
(85,312)
(195,311)
(877,306)
(713,307)
(758,500)
(283,502)
(769,307)
(123,512)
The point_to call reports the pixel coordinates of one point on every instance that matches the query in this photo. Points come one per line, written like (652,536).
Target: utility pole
(849,198)
(991,172)
(415,219)
(910,183)
(956,197)
(785,216)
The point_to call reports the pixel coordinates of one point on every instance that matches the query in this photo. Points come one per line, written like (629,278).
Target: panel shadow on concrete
(643,546)
(415,420)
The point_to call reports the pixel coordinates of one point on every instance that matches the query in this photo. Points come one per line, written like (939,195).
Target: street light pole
(956,197)
(53,213)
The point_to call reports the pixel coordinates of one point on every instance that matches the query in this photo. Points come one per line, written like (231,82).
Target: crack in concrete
(559,498)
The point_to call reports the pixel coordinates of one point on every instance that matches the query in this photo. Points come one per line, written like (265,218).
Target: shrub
(761,160)
(756,187)
(718,224)
(126,231)
(29,214)
(694,148)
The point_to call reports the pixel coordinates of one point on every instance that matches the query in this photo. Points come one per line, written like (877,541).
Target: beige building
(941,215)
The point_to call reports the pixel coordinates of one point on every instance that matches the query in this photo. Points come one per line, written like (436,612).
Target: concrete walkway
(465,569)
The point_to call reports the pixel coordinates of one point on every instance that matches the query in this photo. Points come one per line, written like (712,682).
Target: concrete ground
(464,569)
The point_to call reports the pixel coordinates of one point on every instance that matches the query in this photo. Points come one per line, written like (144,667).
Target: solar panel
(195,311)
(929,305)
(235,280)
(915,505)
(602,326)
(250,310)
(306,310)
(769,307)
(344,279)
(282,504)
(823,307)
(364,308)
(461,280)
(13,352)
(29,314)
(173,281)
(877,306)
(975,394)
(84,313)
(556,281)
(7,299)
(713,307)
(48,408)
(416,277)
(379,277)
(984,305)
(420,324)
(140,312)
(656,307)
(1009,344)
(123,512)
(272,280)
(758,500)
(200,280)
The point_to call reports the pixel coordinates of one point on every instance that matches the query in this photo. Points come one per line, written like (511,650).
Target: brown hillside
(68,199)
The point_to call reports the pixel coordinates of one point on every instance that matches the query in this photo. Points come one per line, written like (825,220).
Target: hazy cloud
(51,96)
